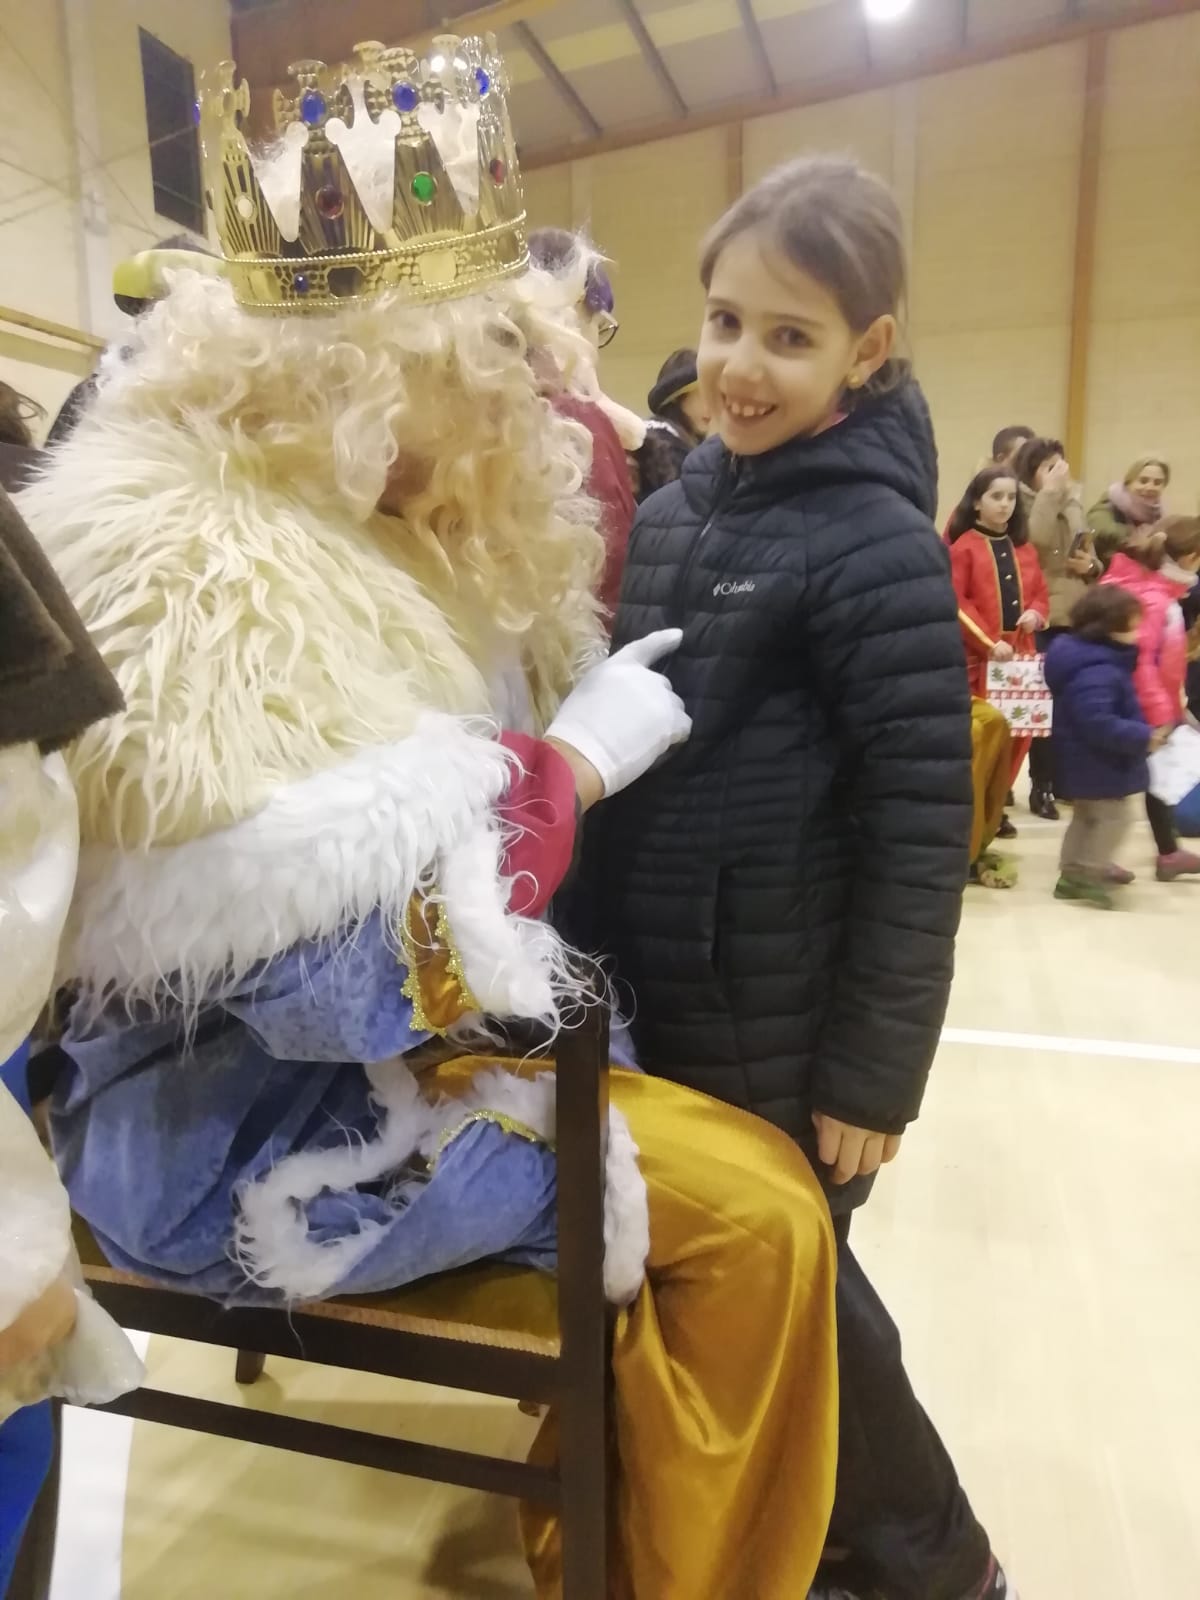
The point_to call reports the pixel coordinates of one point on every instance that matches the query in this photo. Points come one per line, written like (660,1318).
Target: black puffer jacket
(782,896)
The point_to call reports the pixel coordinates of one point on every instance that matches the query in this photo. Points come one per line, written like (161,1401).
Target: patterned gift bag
(1018,689)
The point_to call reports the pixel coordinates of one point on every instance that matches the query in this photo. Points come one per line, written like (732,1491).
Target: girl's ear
(874,349)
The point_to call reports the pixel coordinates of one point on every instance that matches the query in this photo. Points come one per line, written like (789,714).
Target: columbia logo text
(745,587)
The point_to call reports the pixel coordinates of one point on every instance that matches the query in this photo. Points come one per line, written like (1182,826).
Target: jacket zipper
(726,486)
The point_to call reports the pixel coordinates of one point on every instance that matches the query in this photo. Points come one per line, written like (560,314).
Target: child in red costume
(1002,597)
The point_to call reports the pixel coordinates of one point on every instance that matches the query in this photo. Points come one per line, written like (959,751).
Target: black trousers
(899,1509)
(1162,825)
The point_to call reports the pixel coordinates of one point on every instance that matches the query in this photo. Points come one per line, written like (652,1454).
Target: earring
(854,381)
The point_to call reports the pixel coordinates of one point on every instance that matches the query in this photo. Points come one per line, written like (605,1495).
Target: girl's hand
(853,1152)
(1002,651)
(1159,738)
(1029,621)
(41,1326)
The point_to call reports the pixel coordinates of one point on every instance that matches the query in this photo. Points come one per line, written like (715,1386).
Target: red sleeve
(539,812)
(975,634)
(610,484)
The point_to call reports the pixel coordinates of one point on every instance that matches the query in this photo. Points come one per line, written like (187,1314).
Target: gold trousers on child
(991,773)
(725,1366)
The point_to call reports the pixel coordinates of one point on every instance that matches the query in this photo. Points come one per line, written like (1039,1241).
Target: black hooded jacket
(782,895)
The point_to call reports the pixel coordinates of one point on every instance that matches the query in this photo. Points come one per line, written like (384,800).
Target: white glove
(623,717)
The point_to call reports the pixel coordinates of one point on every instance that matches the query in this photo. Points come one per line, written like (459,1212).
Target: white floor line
(91,1508)
(1124,1049)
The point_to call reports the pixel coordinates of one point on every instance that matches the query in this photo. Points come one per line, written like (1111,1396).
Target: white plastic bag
(1175,769)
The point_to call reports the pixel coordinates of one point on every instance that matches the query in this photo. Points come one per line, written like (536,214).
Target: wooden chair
(490,1330)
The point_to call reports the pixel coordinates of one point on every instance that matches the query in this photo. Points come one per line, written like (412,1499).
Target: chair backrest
(581,1059)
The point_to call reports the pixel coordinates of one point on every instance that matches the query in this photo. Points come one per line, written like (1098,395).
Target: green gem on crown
(424,187)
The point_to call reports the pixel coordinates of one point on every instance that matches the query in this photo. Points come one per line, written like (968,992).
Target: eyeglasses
(607,329)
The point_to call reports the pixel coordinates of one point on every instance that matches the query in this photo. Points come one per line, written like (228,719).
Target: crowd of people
(413,664)
(1026,563)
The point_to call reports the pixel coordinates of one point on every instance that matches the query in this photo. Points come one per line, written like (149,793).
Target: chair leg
(583,1474)
(35,1559)
(250,1367)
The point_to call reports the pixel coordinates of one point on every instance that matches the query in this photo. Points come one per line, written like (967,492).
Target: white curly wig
(215,518)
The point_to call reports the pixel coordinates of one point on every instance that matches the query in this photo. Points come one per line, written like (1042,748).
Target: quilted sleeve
(886,651)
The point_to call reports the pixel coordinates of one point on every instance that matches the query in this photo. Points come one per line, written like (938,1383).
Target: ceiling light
(885,10)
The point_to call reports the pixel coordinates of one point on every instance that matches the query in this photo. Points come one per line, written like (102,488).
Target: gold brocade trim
(969,622)
(520,1130)
(436,984)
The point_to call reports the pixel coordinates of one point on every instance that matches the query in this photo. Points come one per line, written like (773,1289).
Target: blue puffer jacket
(1101,737)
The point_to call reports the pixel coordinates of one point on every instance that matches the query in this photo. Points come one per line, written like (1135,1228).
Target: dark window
(170,85)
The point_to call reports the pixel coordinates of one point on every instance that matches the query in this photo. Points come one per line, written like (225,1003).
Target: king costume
(330,538)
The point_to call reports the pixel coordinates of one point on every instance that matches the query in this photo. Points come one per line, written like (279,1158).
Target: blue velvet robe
(155,1133)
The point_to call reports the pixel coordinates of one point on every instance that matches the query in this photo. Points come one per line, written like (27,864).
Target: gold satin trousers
(725,1366)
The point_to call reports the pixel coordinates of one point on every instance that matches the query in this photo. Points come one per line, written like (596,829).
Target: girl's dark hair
(1032,457)
(17,411)
(1103,610)
(839,223)
(964,516)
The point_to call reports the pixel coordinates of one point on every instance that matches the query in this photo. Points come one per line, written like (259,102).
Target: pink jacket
(1162,641)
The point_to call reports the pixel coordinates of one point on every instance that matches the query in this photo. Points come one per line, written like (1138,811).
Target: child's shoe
(1179,864)
(1092,894)
(1119,877)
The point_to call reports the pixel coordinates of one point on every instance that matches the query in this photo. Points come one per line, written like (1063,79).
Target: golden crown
(392,172)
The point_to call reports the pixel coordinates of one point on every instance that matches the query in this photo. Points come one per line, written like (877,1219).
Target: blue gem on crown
(312,106)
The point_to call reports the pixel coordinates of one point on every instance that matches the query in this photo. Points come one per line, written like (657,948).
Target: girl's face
(1130,634)
(1150,483)
(776,352)
(696,411)
(995,506)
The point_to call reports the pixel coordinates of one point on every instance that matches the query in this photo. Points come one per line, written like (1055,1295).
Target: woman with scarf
(1135,502)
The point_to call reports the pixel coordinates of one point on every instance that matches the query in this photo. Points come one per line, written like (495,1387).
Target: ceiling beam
(551,70)
(818,93)
(267,39)
(652,56)
(758,46)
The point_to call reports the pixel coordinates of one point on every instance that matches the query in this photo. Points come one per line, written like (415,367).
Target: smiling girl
(782,894)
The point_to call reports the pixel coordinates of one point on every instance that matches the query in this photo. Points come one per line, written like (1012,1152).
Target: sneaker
(1006,830)
(1120,877)
(1181,863)
(1092,894)
(1041,803)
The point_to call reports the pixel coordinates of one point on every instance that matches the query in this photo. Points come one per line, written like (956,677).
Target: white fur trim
(321,855)
(272,1244)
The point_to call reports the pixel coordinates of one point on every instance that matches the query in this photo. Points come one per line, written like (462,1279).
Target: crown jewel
(394,172)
